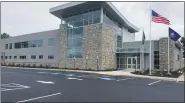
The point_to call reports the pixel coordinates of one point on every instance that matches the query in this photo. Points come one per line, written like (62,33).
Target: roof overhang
(73,7)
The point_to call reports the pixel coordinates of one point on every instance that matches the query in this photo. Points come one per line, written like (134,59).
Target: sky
(19,18)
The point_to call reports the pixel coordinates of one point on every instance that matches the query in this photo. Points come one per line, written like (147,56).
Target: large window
(156,59)
(75,23)
(74,42)
(28,44)
(51,42)
(87,17)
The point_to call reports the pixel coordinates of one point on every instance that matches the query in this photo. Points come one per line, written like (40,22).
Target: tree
(5,35)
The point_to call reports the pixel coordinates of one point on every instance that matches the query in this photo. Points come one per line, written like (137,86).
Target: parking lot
(20,85)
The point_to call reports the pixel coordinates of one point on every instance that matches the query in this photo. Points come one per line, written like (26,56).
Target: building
(92,35)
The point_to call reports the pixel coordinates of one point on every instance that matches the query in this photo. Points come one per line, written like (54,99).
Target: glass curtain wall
(75,23)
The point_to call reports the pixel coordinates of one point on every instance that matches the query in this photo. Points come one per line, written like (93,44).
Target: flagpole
(143,55)
(150,44)
(168,51)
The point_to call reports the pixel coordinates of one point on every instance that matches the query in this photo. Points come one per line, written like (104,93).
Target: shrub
(41,66)
(28,65)
(13,64)
(34,65)
(47,66)
(18,65)
(23,65)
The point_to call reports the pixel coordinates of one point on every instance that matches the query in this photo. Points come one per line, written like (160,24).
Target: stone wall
(98,49)
(108,39)
(163,53)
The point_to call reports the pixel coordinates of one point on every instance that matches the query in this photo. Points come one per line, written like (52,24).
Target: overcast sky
(18,18)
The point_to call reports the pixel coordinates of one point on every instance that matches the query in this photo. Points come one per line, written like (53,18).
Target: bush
(28,65)
(47,66)
(23,65)
(41,66)
(34,65)
(13,64)
(18,65)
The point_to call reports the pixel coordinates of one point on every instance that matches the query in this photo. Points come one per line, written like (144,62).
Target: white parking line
(154,82)
(38,98)
(83,76)
(124,79)
(74,78)
(12,89)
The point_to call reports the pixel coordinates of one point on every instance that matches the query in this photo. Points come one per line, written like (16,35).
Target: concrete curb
(115,73)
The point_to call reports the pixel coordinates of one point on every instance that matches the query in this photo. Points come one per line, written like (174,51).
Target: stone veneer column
(108,47)
(163,53)
(98,40)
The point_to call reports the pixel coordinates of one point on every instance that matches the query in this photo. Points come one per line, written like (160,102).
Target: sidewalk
(112,73)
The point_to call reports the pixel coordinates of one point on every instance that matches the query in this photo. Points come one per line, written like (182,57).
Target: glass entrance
(131,62)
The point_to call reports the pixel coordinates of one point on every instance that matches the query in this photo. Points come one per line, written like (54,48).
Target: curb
(103,73)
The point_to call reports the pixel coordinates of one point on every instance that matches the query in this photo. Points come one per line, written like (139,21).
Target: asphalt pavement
(21,85)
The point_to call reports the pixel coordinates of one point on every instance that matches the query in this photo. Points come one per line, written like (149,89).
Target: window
(33,56)
(156,59)
(1,57)
(6,46)
(75,42)
(50,56)
(15,57)
(17,45)
(10,57)
(40,56)
(6,57)
(51,42)
(22,57)
(10,46)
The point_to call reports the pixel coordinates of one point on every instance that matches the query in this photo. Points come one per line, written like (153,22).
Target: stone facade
(98,49)
(163,53)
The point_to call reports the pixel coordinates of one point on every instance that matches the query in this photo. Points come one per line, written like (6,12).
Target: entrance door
(129,63)
(132,63)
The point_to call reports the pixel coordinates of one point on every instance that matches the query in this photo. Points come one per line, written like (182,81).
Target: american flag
(159,19)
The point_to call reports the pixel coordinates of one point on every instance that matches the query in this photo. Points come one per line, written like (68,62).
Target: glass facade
(75,23)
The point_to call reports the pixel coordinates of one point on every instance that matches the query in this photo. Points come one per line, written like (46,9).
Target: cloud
(138,13)
(19,18)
